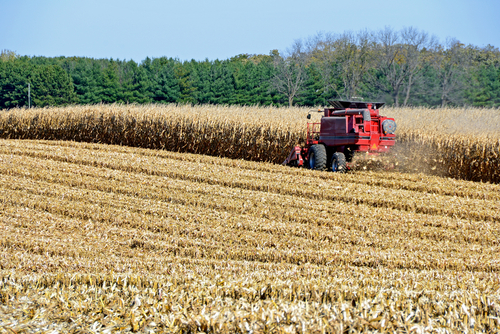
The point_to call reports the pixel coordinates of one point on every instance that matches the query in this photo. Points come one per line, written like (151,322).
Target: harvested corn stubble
(102,238)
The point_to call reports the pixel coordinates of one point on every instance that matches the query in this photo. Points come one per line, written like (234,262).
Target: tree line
(399,67)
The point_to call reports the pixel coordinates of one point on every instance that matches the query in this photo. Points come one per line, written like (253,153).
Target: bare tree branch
(451,63)
(290,71)
(399,59)
(346,56)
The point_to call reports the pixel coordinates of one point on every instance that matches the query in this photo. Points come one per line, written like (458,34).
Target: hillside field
(104,238)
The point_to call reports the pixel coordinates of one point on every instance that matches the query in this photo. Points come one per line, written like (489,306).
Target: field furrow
(138,240)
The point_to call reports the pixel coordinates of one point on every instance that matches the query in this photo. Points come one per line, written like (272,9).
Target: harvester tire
(339,162)
(317,157)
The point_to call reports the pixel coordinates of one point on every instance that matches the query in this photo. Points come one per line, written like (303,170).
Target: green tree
(134,81)
(252,80)
(314,93)
(164,84)
(51,86)
(186,78)
(14,79)
(108,87)
(486,92)
(215,82)
(86,74)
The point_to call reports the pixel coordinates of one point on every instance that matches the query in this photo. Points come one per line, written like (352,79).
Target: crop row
(109,238)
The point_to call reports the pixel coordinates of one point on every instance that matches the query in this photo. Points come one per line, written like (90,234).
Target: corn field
(453,142)
(101,239)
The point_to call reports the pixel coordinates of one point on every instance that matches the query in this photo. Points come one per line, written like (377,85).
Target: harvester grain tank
(346,127)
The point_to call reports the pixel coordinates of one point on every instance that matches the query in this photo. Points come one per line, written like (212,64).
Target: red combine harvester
(346,127)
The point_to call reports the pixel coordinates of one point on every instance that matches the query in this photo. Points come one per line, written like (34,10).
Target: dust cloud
(405,158)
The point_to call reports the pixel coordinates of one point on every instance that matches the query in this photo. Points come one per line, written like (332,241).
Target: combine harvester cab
(345,128)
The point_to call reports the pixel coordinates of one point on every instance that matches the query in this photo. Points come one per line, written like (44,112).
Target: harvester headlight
(389,126)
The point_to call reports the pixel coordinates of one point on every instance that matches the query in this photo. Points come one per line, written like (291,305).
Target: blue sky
(197,29)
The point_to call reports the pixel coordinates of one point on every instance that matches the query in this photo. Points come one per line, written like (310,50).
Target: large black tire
(339,163)
(317,157)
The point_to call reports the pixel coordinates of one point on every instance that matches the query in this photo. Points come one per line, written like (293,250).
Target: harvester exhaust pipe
(365,112)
